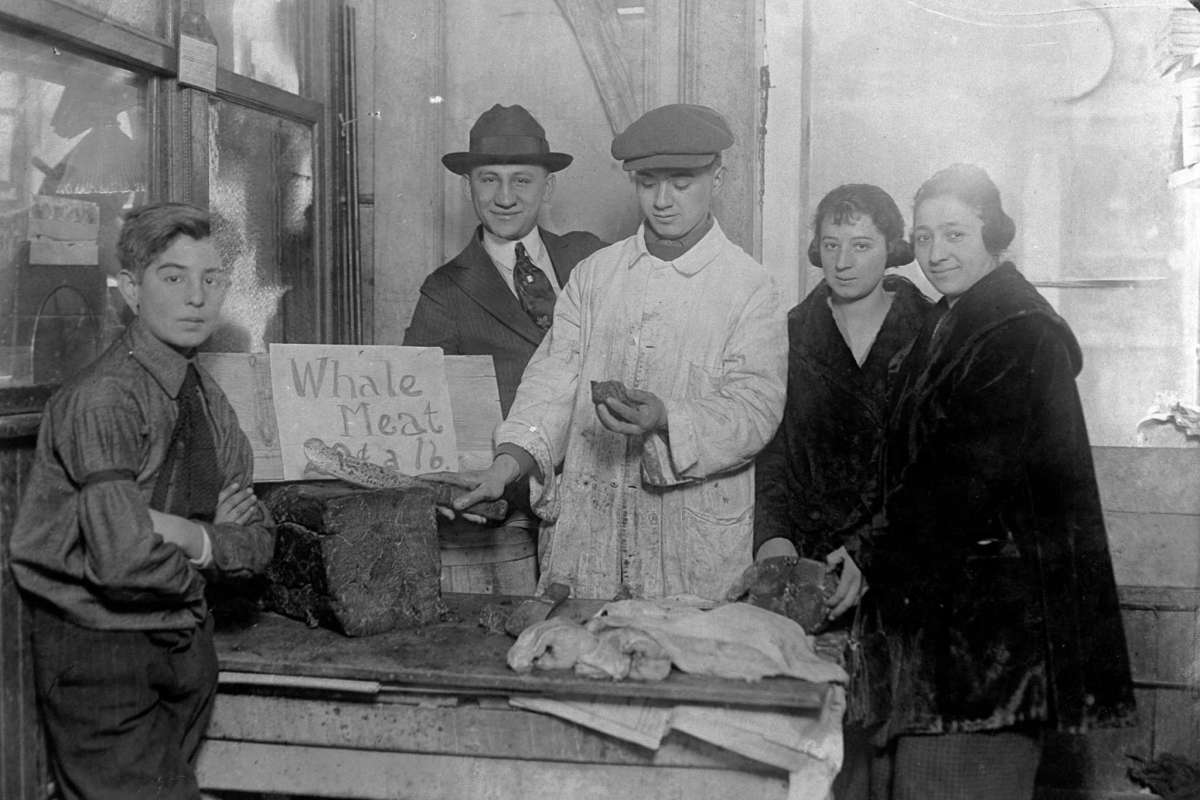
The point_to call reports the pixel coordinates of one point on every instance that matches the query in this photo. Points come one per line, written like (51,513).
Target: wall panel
(22,756)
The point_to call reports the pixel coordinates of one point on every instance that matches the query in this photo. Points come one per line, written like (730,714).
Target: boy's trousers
(125,711)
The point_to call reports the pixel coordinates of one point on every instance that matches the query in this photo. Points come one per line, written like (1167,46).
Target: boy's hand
(188,536)
(643,414)
(236,505)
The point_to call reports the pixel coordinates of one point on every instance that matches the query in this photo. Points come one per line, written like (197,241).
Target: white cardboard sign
(387,404)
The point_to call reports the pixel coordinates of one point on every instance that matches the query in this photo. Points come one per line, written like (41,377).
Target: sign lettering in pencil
(389,405)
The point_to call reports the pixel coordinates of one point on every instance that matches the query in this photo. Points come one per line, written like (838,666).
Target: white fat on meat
(645,638)
(736,640)
(555,643)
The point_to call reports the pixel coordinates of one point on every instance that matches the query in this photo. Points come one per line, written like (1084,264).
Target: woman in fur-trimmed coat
(992,613)
(816,483)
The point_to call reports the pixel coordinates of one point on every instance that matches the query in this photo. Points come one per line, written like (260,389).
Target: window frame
(178,130)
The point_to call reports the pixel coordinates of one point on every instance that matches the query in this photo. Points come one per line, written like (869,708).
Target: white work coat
(671,512)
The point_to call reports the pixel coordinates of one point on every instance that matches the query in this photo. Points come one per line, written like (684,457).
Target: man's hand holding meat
(643,413)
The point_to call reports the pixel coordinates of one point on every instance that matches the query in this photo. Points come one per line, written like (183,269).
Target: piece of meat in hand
(794,587)
(602,390)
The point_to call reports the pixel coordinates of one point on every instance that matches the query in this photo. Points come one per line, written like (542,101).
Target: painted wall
(1062,104)
(502,51)
(1063,109)
(434,68)
(785,147)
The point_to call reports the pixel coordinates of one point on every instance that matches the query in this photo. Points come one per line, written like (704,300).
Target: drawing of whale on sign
(388,405)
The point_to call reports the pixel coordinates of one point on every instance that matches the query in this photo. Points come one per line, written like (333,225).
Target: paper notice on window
(197,63)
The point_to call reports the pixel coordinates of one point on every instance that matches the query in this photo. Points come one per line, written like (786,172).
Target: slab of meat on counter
(357,561)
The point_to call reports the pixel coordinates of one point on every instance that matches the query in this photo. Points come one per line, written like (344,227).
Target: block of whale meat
(602,390)
(359,561)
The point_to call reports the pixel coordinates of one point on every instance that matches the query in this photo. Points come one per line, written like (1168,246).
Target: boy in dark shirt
(141,479)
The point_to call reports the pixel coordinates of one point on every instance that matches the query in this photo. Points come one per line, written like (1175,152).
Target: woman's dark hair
(972,186)
(850,201)
(150,229)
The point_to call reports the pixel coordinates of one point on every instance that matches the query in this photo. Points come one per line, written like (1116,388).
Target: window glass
(259,39)
(1072,110)
(147,16)
(73,154)
(261,190)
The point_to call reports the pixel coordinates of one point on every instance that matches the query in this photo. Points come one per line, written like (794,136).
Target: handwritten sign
(389,405)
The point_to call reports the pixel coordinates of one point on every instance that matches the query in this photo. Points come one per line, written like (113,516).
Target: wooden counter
(424,714)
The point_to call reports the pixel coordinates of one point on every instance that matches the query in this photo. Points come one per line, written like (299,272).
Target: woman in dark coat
(993,606)
(816,482)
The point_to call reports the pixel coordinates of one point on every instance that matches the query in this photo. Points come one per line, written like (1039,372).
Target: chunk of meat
(551,644)
(602,390)
(797,588)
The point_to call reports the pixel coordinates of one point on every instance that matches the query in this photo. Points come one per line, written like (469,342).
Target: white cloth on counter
(672,512)
(647,637)
(735,640)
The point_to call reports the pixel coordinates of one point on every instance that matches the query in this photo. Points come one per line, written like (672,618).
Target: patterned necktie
(191,466)
(533,289)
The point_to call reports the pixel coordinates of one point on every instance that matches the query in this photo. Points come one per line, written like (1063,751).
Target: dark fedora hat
(506,135)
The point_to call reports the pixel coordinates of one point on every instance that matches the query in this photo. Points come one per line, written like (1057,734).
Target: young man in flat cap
(656,489)
(497,296)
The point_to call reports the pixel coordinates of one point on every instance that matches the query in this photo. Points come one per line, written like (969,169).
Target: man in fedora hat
(497,296)
(651,493)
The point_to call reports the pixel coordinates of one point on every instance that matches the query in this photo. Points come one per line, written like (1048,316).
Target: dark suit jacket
(466,308)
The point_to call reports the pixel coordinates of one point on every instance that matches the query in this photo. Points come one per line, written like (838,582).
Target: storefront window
(259,39)
(147,16)
(261,189)
(73,155)
(1071,108)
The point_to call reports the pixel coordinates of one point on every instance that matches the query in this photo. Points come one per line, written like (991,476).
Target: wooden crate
(22,754)
(1151,499)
